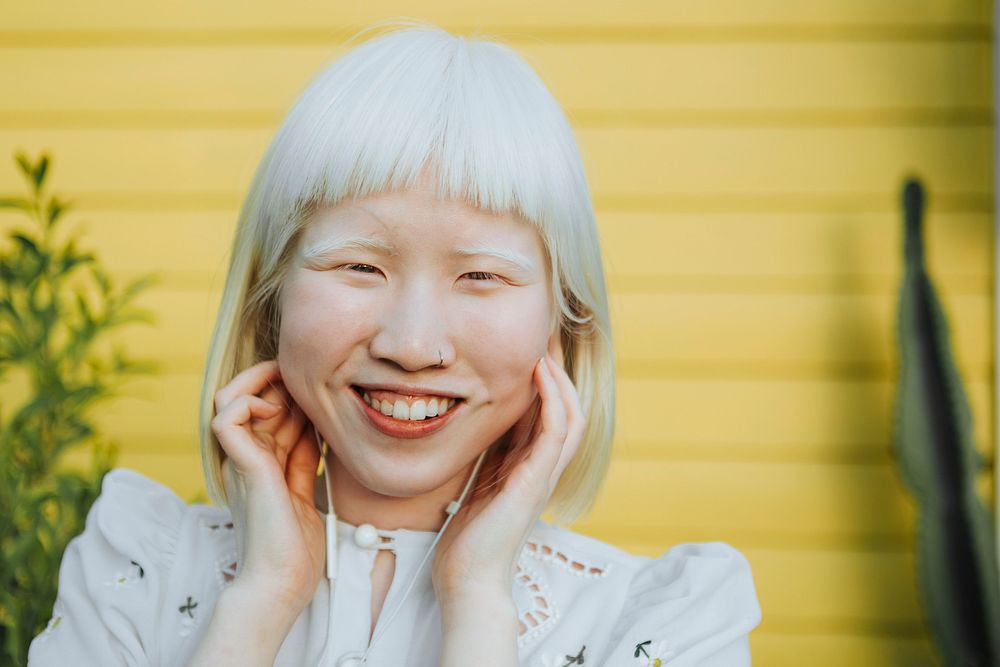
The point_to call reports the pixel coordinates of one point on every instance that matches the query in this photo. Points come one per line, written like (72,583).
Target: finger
(545,451)
(231,429)
(288,433)
(574,412)
(286,426)
(252,380)
(276,392)
(303,460)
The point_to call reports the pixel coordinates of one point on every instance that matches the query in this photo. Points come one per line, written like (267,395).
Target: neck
(356,504)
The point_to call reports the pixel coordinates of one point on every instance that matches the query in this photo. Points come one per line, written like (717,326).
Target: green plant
(53,355)
(956,557)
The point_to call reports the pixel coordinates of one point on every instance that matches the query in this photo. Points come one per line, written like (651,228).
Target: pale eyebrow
(511,257)
(327,247)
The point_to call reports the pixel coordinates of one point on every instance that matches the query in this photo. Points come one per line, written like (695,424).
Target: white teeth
(420,409)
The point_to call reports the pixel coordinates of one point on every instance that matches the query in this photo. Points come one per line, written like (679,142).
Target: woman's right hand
(269,472)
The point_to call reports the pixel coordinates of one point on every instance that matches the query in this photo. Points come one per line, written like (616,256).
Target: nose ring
(440,359)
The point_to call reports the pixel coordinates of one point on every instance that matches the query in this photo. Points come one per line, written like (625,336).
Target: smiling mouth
(416,409)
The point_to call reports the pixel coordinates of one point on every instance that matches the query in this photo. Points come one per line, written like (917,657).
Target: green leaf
(102,280)
(25,164)
(71,261)
(16,202)
(84,309)
(138,285)
(56,208)
(26,243)
(131,315)
(39,173)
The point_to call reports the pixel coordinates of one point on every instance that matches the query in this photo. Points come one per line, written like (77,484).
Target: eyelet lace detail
(542,614)
(225,568)
(548,554)
(215,526)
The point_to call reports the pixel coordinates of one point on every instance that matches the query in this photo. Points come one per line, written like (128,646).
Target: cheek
(505,342)
(318,326)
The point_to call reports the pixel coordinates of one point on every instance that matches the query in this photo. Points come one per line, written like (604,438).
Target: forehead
(419,215)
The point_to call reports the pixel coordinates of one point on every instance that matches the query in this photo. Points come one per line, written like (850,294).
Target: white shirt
(139,585)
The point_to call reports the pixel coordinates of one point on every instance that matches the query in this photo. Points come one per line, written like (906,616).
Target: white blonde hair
(370,122)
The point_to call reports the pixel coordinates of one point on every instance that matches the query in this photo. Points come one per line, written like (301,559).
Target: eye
(362,268)
(483,276)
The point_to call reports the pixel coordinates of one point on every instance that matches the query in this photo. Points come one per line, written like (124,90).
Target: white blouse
(139,585)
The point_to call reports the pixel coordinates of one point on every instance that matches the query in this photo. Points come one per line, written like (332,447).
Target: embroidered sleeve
(112,576)
(693,606)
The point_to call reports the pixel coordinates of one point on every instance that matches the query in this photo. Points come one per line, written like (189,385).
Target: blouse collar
(399,537)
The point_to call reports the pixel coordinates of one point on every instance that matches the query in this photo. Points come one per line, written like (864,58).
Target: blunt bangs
(473,110)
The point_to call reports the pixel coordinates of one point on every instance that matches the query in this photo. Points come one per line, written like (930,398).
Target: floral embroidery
(121,579)
(546,553)
(542,614)
(654,656)
(57,617)
(189,621)
(562,660)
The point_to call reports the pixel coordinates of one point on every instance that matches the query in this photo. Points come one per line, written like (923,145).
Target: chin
(399,479)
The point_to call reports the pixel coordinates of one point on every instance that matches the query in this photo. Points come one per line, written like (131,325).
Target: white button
(366,536)
(349,660)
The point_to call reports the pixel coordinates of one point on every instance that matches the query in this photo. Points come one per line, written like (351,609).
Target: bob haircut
(369,123)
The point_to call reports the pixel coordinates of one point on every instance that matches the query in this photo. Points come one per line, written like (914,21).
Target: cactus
(933,446)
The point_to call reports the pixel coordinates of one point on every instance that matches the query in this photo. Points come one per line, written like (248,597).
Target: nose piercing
(440,359)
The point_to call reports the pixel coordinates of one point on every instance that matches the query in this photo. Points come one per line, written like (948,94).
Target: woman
(415,306)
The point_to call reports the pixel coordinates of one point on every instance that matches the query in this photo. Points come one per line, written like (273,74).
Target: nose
(412,330)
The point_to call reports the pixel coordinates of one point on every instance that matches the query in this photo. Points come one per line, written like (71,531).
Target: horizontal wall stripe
(519,14)
(511,34)
(42,119)
(797,625)
(859,201)
(754,537)
(769,84)
(785,284)
(836,650)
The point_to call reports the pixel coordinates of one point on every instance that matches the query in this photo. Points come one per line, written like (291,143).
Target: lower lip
(399,428)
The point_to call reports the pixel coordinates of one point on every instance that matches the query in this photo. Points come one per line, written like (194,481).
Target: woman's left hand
(477,553)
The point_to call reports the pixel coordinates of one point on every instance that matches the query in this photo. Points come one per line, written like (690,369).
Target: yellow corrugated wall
(745,159)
